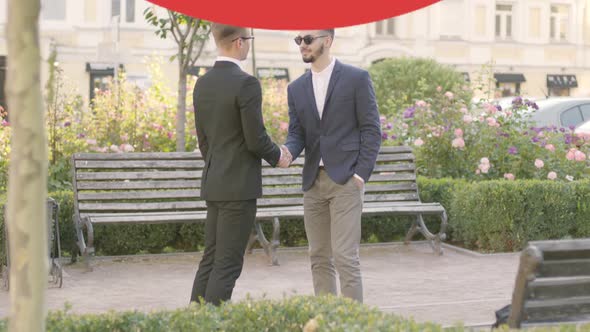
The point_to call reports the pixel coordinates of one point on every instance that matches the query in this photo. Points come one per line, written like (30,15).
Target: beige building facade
(538,47)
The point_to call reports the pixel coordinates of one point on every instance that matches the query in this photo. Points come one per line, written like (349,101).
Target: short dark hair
(225,33)
(329,31)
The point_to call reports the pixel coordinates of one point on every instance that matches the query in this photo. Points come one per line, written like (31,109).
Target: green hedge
(488,216)
(326,313)
(504,215)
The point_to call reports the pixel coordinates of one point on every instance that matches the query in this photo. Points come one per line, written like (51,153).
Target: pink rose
(509,176)
(492,122)
(484,168)
(484,160)
(283,126)
(114,148)
(463,110)
(467,118)
(550,147)
(127,148)
(418,142)
(579,155)
(439,88)
(458,132)
(539,163)
(421,103)
(552,175)
(570,155)
(449,95)
(458,143)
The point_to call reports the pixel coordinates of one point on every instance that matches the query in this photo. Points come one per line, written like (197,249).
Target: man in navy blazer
(333,116)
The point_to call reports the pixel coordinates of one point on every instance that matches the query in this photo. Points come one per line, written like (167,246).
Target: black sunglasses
(308,39)
(242,38)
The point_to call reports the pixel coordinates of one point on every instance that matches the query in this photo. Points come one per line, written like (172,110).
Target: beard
(313,56)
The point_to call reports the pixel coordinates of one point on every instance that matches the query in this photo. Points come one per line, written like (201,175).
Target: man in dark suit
(233,140)
(333,115)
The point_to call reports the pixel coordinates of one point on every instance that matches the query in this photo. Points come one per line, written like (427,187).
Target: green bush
(400,82)
(490,216)
(327,313)
(504,215)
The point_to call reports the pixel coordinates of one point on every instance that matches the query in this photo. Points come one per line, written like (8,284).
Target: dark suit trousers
(227,230)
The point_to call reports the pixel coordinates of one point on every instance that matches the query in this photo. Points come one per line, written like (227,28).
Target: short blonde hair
(224,34)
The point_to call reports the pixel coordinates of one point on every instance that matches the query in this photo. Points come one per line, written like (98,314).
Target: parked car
(583,130)
(560,112)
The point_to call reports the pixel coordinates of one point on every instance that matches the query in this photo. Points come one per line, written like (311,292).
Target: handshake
(286,157)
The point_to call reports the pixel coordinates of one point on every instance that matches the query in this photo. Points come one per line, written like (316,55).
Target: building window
(504,21)
(53,10)
(559,22)
(560,84)
(101,77)
(508,84)
(385,27)
(124,8)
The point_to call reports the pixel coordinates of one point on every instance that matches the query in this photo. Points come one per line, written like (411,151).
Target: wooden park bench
(552,284)
(158,188)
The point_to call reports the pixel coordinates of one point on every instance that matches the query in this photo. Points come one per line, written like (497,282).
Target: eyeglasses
(308,39)
(242,38)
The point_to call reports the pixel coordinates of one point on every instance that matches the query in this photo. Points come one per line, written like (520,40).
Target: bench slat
(138,156)
(564,309)
(139,164)
(563,268)
(548,288)
(182,205)
(138,175)
(122,195)
(172,184)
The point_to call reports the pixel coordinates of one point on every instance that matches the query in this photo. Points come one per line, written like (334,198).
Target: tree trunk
(27,183)
(181,108)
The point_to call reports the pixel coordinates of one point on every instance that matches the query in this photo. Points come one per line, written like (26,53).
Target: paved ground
(406,280)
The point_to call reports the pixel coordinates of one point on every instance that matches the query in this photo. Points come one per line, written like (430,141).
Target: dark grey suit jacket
(231,133)
(348,136)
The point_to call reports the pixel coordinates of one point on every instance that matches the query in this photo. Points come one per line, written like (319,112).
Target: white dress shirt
(226,58)
(320,81)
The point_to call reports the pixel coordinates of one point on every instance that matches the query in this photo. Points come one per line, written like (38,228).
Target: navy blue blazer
(348,136)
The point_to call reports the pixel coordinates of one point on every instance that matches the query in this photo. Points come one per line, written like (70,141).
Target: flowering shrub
(275,110)
(453,139)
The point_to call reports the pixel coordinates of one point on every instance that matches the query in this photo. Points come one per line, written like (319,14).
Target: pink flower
(127,148)
(508,113)
(458,143)
(552,175)
(114,148)
(490,108)
(4,123)
(169,134)
(539,163)
(477,171)
(91,141)
(405,125)
(439,88)
(550,147)
(125,137)
(579,155)
(484,165)
(449,95)
(458,132)
(484,168)
(509,176)
(421,103)
(463,110)
(492,122)
(283,126)
(418,142)
(467,118)
(382,118)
